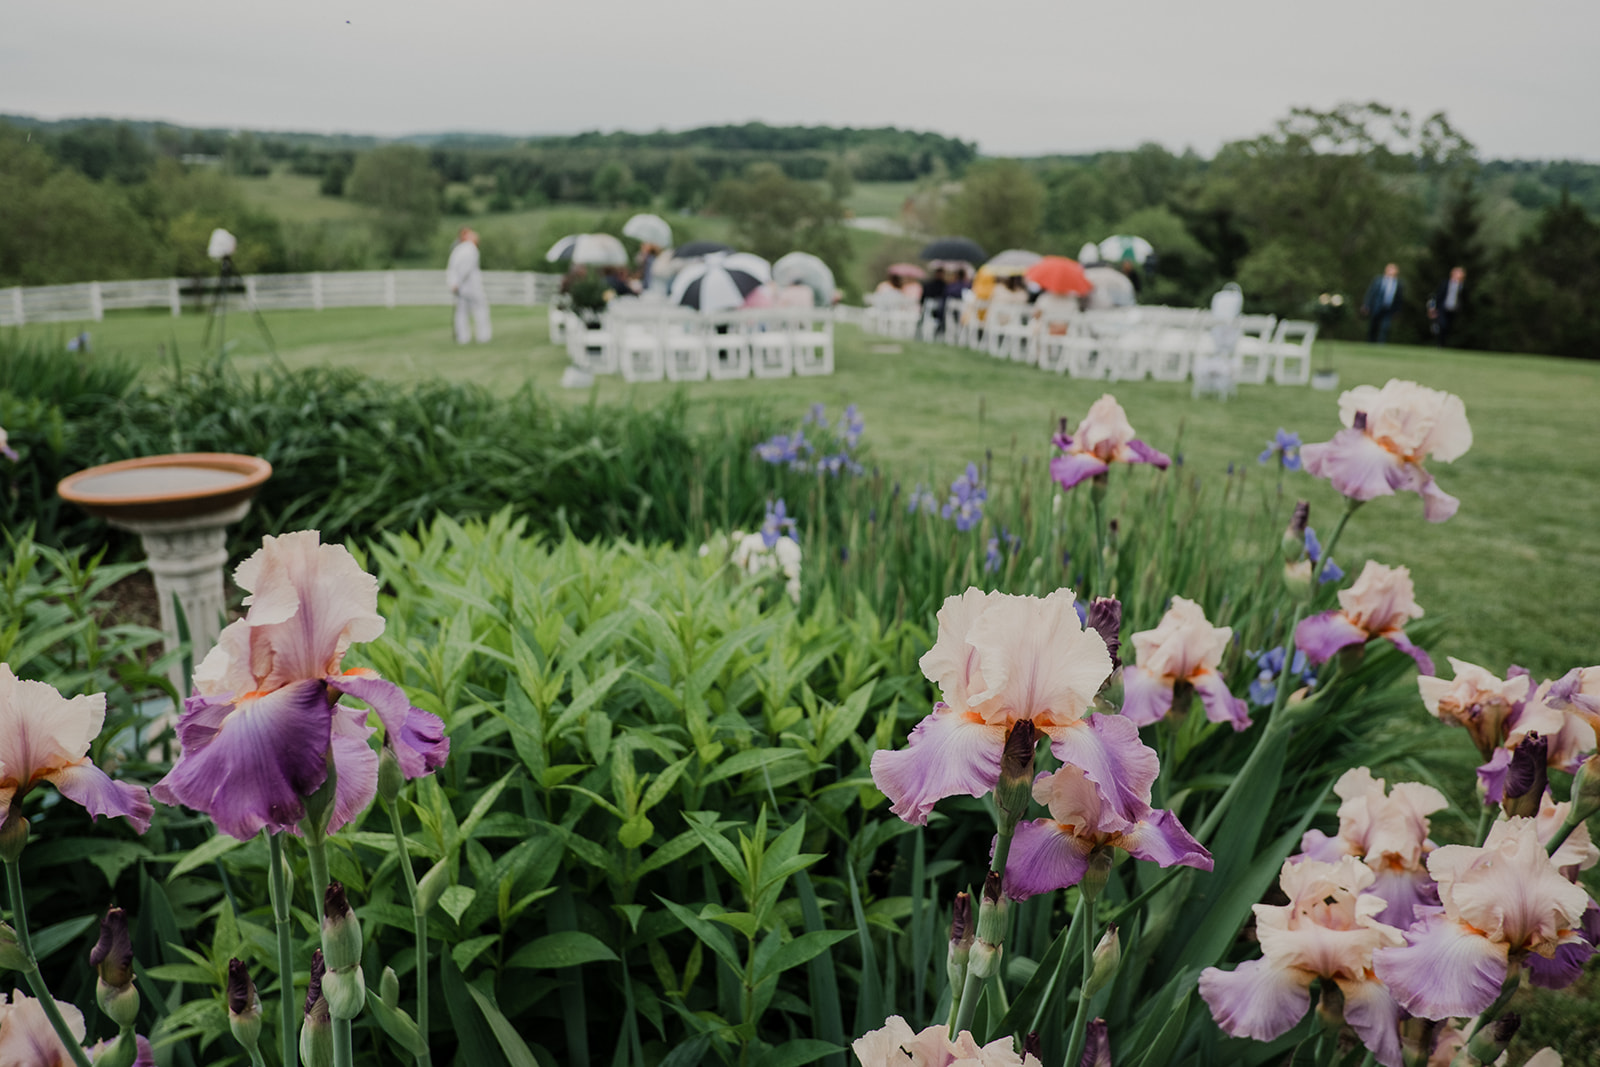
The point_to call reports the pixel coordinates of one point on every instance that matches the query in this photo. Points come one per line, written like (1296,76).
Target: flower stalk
(1094,880)
(419,913)
(278,886)
(19,920)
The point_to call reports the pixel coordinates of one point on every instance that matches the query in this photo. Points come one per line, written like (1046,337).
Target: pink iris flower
(895,1044)
(1500,904)
(1388,830)
(1329,929)
(258,734)
(45,737)
(1054,853)
(999,660)
(5,446)
(1183,649)
(1390,432)
(26,1036)
(1378,604)
(1576,854)
(1103,437)
(1495,711)
(1576,695)
(144,1054)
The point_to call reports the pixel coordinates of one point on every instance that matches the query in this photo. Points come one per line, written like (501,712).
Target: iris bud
(390,777)
(1526,778)
(12,958)
(1294,537)
(1586,790)
(1107,957)
(432,886)
(1492,1039)
(13,835)
(345,992)
(244,1006)
(1014,791)
(1104,617)
(389,987)
(341,930)
(112,956)
(316,1036)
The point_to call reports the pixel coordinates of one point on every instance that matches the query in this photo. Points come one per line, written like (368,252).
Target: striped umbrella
(719,282)
(1119,246)
(589,249)
(697,249)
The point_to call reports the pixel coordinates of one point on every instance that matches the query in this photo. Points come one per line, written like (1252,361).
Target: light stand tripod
(218,314)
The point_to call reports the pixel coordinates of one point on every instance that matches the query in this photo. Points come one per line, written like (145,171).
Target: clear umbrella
(590,250)
(803,268)
(1012,261)
(649,229)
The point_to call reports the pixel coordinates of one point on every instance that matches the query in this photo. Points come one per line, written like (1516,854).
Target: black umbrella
(699,248)
(960,249)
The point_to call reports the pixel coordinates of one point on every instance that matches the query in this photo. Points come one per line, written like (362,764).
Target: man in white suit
(466,281)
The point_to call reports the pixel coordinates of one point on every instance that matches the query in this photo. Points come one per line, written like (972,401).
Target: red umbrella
(908,270)
(1058,274)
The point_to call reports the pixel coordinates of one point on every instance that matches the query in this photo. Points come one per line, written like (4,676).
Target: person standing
(1446,304)
(1381,302)
(465,280)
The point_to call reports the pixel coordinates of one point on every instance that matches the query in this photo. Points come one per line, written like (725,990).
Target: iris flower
(1329,929)
(5,447)
(1500,904)
(776,524)
(1577,853)
(895,1044)
(1390,431)
(967,496)
(1493,710)
(1103,437)
(1054,853)
(1183,650)
(999,660)
(26,1036)
(1389,832)
(1379,604)
(45,737)
(1286,447)
(263,725)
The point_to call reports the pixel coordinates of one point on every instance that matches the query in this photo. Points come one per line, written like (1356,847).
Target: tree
(1000,205)
(397,181)
(774,214)
(335,176)
(841,179)
(610,181)
(686,184)
(1457,241)
(1550,289)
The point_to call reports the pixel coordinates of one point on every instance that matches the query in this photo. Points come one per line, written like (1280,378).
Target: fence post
(527,288)
(17,311)
(316,291)
(388,289)
(97,303)
(174,298)
(250,291)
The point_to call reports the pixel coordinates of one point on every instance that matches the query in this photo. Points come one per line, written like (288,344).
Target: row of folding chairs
(648,342)
(1120,344)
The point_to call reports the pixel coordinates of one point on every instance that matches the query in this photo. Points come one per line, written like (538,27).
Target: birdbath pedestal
(181,506)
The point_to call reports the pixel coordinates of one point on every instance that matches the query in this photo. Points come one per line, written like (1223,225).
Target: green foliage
(397,180)
(773,214)
(686,185)
(1549,294)
(1000,206)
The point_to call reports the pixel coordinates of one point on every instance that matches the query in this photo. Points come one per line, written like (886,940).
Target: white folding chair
(1252,360)
(727,347)
(639,349)
(771,353)
(592,350)
(558,325)
(1291,352)
(811,339)
(684,346)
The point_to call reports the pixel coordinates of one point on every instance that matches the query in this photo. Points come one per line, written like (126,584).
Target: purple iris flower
(264,724)
(967,496)
(1264,690)
(1286,447)
(853,426)
(922,499)
(1331,571)
(776,524)
(817,416)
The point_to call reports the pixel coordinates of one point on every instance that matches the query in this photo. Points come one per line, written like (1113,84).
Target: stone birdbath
(181,506)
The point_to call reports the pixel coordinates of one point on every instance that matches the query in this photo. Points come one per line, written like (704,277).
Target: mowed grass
(1516,574)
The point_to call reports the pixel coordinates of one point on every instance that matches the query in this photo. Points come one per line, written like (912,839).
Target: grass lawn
(879,198)
(1516,573)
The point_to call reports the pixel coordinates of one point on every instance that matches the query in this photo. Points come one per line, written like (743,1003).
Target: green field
(1516,572)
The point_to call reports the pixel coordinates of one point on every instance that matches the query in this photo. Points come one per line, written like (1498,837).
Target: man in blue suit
(1381,302)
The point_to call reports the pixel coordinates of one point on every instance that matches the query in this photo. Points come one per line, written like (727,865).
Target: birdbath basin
(180,505)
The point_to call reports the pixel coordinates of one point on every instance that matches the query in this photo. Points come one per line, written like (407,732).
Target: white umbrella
(589,249)
(649,229)
(1089,254)
(803,268)
(719,282)
(1112,289)
(1114,248)
(1012,261)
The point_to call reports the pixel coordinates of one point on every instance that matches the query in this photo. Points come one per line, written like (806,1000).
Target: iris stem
(343,1044)
(1080,1018)
(1485,820)
(1561,835)
(420,921)
(289,1051)
(19,918)
(964,1005)
(317,853)
(256,1059)
(1096,492)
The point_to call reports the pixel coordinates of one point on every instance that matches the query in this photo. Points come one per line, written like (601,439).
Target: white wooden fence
(89,301)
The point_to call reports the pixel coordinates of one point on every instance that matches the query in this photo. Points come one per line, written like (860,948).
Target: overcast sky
(1021,77)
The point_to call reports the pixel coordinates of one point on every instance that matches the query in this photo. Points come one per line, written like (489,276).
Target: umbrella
(1058,274)
(648,229)
(1012,261)
(907,270)
(1089,254)
(719,282)
(1114,249)
(961,249)
(1112,288)
(696,249)
(589,249)
(803,268)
